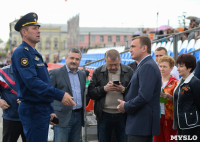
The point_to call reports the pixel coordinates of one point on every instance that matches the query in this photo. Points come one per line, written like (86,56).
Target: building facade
(54,37)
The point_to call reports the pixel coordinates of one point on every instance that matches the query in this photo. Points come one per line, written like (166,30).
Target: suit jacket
(143,100)
(197,70)
(60,80)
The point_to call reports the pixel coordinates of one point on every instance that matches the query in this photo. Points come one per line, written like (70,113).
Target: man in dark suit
(142,99)
(71,80)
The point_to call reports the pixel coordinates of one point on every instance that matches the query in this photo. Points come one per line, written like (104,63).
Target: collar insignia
(26,48)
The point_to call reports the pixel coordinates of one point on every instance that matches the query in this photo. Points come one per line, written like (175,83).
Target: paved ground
(1,127)
(91,130)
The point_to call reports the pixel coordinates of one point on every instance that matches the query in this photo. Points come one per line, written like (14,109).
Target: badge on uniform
(36,58)
(24,62)
(26,48)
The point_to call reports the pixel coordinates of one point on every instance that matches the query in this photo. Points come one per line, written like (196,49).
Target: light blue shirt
(76,88)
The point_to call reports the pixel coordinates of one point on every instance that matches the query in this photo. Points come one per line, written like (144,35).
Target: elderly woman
(187,100)
(166,64)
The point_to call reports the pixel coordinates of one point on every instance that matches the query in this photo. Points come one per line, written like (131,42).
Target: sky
(100,13)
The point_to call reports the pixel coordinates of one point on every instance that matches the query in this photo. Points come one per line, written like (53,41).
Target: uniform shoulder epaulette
(26,48)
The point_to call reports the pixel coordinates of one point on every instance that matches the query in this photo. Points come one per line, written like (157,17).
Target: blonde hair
(168,59)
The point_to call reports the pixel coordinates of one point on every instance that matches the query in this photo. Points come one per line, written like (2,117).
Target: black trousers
(12,130)
(132,138)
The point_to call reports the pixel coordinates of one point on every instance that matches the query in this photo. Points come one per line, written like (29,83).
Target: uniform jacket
(9,94)
(143,100)
(188,107)
(169,88)
(32,77)
(99,80)
(60,80)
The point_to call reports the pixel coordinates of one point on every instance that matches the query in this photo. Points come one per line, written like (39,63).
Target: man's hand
(120,107)
(3,104)
(52,115)
(119,88)
(68,100)
(18,101)
(110,86)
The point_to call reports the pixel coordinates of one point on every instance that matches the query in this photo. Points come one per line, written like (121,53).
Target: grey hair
(73,50)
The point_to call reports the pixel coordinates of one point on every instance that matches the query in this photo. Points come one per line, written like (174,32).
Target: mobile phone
(55,120)
(116,82)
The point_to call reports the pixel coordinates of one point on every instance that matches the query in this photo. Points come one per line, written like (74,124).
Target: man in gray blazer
(72,80)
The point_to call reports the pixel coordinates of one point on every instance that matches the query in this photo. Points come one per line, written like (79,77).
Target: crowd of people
(143,102)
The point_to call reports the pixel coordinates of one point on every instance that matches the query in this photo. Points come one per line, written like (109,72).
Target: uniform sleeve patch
(24,62)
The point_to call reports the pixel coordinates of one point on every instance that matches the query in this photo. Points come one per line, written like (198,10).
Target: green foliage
(3,54)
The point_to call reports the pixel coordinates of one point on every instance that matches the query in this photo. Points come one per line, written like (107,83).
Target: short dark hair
(161,48)
(188,60)
(112,54)
(25,27)
(144,40)
(73,50)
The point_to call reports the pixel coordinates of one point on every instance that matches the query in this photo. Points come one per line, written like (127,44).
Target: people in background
(12,127)
(161,51)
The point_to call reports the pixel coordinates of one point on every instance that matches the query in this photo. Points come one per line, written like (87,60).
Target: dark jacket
(99,80)
(188,107)
(60,79)
(9,94)
(143,100)
(197,70)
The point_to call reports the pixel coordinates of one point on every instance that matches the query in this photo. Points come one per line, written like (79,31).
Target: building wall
(53,39)
(52,45)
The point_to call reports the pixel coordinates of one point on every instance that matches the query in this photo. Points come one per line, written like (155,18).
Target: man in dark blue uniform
(33,82)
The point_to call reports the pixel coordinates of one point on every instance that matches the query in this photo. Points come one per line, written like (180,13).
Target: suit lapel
(66,78)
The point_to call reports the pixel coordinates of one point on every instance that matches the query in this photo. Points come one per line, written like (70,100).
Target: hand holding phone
(55,120)
(116,82)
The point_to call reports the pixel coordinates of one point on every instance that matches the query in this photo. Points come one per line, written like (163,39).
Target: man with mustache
(71,80)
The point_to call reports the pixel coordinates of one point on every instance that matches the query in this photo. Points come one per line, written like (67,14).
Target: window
(101,38)
(82,38)
(109,38)
(93,38)
(117,38)
(125,38)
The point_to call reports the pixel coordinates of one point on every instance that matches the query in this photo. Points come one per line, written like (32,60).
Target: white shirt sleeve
(175,73)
